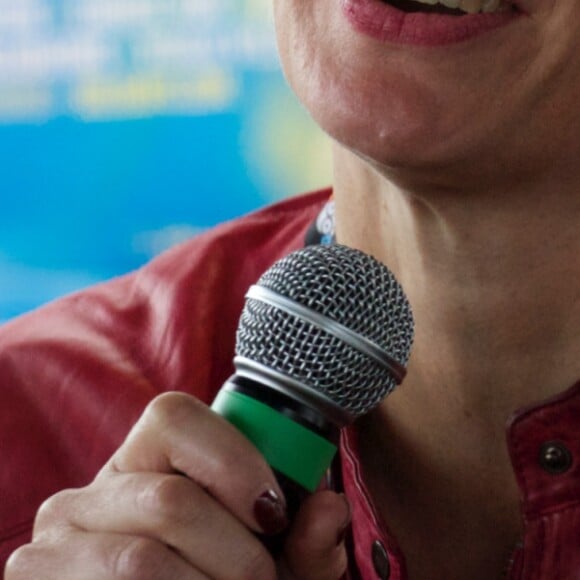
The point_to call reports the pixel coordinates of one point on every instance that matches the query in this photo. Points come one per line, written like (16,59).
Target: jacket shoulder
(76,374)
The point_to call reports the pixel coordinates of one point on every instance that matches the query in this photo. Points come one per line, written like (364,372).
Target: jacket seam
(537,515)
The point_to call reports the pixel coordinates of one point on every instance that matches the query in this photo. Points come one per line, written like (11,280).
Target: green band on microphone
(287,446)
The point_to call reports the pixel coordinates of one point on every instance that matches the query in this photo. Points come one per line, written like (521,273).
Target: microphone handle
(298,442)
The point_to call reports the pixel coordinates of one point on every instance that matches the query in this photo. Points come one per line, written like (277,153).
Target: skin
(457,166)
(176,502)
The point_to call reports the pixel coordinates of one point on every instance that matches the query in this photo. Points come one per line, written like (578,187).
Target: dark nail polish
(270,512)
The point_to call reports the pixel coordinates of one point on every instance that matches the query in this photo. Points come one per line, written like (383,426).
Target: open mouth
(430,22)
(452,7)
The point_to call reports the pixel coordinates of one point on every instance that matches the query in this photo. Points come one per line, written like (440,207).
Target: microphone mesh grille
(352,289)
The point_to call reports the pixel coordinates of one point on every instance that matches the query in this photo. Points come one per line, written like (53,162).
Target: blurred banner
(129,125)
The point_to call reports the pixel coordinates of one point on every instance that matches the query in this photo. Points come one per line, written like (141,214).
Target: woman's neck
(494,282)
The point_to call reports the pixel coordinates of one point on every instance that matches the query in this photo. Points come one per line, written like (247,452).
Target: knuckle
(256,564)
(138,558)
(55,509)
(167,498)
(165,408)
(20,563)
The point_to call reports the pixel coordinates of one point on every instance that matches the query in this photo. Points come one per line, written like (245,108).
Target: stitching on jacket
(571,506)
(561,398)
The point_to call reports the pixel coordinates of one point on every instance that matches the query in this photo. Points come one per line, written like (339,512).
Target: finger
(94,556)
(315,548)
(177,433)
(169,509)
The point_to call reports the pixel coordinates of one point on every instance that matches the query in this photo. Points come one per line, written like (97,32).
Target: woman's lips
(383,22)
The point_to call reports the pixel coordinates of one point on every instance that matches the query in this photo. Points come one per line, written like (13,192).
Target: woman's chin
(391,149)
(399,130)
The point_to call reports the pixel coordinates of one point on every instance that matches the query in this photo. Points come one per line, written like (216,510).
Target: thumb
(314,548)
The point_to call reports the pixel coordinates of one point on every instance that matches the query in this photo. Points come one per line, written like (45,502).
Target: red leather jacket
(75,376)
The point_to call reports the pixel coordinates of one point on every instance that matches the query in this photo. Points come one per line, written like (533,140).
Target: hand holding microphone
(187,495)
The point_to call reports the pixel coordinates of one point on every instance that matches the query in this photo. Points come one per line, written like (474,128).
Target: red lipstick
(379,20)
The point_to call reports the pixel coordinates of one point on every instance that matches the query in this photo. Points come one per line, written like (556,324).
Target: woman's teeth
(470,6)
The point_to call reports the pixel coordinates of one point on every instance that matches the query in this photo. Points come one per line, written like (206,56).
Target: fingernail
(343,530)
(270,512)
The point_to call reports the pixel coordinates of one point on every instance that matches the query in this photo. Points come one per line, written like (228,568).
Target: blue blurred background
(129,125)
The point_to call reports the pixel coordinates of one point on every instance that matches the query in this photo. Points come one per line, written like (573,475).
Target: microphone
(324,336)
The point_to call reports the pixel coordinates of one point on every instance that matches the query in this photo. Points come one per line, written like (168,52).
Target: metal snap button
(381,561)
(555,457)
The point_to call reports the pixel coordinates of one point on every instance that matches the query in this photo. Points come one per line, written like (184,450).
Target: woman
(456,165)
